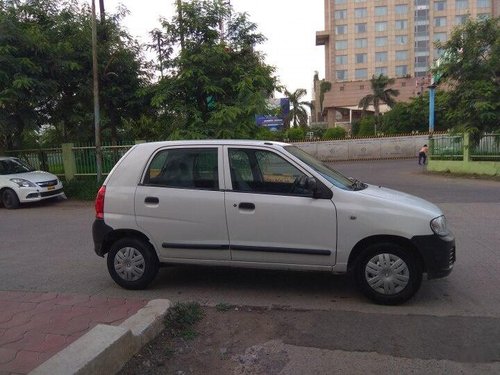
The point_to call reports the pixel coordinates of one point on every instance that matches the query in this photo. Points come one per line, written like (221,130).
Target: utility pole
(97,125)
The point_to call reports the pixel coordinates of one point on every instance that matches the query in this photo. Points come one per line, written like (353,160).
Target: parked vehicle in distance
(21,183)
(263,205)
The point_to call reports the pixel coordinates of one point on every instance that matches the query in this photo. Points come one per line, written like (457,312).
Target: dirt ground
(226,342)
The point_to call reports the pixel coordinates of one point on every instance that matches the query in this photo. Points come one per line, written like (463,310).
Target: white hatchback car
(20,183)
(263,205)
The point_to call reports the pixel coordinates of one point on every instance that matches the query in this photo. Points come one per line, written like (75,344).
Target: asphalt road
(48,247)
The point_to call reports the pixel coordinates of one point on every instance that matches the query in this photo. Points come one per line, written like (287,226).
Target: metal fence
(85,158)
(487,148)
(447,147)
(47,159)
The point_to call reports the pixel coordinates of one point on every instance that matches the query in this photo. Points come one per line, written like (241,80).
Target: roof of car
(238,142)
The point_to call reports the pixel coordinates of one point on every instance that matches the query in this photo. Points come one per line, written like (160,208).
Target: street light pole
(97,126)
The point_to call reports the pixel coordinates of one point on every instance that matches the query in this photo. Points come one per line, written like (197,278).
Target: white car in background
(21,183)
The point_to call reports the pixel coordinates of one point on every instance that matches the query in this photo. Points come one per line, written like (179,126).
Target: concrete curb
(105,349)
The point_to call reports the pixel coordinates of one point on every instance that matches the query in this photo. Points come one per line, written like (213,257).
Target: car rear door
(181,206)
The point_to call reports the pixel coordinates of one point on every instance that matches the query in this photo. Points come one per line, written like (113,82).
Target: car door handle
(246,206)
(151,200)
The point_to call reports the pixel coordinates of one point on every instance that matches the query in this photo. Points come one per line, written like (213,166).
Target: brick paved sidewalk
(35,326)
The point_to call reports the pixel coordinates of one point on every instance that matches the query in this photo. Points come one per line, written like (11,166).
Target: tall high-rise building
(363,38)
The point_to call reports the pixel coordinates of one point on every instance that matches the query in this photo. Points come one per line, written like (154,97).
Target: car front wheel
(10,199)
(388,273)
(132,263)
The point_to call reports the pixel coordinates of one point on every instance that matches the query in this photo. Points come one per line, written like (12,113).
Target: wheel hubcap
(387,274)
(129,264)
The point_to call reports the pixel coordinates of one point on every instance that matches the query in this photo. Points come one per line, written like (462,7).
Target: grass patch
(223,307)
(181,317)
(82,188)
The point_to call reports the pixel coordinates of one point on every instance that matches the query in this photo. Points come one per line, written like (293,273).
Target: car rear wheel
(388,273)
(10,199)
(132,263)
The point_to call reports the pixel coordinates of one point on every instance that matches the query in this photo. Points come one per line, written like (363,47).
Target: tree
(214,81)
(470,66)
(298,115)
(380,93)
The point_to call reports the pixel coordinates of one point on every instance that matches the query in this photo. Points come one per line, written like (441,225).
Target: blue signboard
(275,122)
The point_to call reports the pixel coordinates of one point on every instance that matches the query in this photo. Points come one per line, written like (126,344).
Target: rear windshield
(12,166)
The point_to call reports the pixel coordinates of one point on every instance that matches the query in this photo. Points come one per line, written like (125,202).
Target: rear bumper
(438,253)
(99,232)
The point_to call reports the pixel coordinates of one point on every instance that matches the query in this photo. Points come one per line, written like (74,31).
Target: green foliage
(295,134)
(216,84)
(470,66)
(334,133)
(181,317)
(364,127)
(267,135)
(298,114)
(82,188)
(380,93)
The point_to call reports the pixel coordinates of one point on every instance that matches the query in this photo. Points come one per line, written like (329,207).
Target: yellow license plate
(51,187)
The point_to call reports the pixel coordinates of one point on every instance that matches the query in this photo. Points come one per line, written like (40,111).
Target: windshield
(335,177)
(12,166)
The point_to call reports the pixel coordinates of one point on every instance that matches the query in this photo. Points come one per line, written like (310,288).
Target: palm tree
(380,94)
(298,114)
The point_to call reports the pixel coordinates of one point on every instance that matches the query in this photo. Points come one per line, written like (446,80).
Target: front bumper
(29,194)
(438,253)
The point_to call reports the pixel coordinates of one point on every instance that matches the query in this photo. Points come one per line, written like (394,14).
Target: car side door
(271,216)
(181,206)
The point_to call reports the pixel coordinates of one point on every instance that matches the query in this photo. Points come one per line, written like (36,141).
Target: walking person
(422,155)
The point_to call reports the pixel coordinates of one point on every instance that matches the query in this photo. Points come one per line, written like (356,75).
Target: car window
(261,171)
(184,168)
(14,165)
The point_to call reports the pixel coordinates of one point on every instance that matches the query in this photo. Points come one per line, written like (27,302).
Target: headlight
(438,226)
(22,182)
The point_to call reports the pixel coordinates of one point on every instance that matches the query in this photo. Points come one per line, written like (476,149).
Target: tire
(10,199)
(388,274)
(132,263)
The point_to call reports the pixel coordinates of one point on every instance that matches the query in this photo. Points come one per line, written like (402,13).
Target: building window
(401,9)
(483,3)
(440,21)
(340,44)
(381,11)
(401,39)
(380,41)
(341,14)
(361,58)
(459,20)
(340,29)
(401,70)
(422,29)
(338,2)
(401,24)
(483,16)
(401,55)
(341,59)
(360,12)
(381,26)
(361,43)
(361,73)
(341,75)
(380,56)
(381,70)
(438,52)
(439,6)
(440,37)
(461,4)
(360,1)
(360,28)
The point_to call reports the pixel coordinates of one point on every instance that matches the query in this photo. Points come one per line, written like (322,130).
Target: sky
(289,25)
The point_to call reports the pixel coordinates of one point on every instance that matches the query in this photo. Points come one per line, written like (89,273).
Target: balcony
(322,38)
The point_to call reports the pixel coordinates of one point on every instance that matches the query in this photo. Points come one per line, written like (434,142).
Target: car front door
(181,206)
(271,216)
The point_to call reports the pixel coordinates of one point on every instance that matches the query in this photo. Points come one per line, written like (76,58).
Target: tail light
(99,203)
